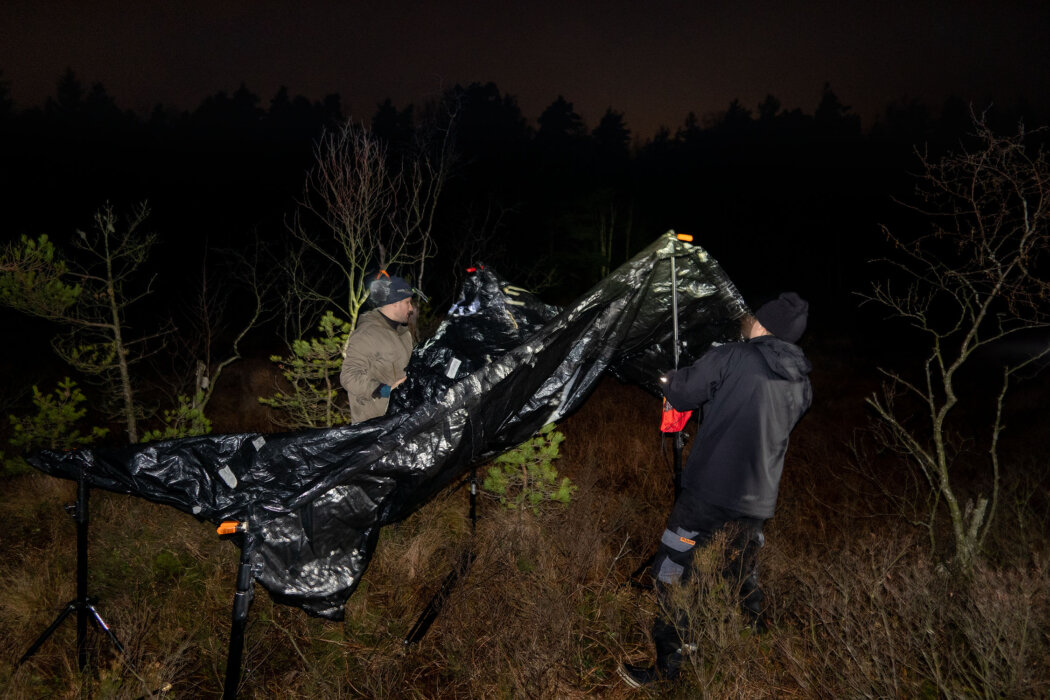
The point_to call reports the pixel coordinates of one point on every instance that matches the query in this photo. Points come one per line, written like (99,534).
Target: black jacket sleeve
(691,387)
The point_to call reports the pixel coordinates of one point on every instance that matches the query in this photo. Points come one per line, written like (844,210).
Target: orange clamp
(230,527)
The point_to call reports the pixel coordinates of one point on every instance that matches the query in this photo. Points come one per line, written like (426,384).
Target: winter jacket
(376,354)
(752,394)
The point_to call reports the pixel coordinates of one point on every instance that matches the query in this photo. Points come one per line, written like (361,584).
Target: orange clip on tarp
(687,237)
(673,421)
(228,527)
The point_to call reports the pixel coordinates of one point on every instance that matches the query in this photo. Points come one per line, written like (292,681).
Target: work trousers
(693,524)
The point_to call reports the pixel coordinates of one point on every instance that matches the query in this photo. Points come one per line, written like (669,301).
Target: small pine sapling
(186,419)
(525,476)
(312,372)
(52,427)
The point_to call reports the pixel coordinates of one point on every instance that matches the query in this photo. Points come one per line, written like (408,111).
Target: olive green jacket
(376,353)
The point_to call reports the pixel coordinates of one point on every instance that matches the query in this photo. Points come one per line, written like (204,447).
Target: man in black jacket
(751,394)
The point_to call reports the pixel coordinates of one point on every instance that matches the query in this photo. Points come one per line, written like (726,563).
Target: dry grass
(858,606)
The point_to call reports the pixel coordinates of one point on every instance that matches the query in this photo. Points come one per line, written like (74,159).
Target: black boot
(666,669)
(638,676)
(668,658)
(751,604)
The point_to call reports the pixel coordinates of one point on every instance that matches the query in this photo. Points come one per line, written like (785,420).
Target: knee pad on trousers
(675,554)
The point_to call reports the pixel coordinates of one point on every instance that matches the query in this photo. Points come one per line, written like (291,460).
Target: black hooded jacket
(752,394)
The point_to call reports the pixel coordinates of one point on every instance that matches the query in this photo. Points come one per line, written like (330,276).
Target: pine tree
(525,476)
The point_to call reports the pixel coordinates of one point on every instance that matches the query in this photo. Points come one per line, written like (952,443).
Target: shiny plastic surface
(502,365)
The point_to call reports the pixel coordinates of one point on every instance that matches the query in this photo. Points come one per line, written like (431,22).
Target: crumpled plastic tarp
(500,367)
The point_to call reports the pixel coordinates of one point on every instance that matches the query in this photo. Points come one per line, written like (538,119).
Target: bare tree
(973,280)
(246,271)
(362,209)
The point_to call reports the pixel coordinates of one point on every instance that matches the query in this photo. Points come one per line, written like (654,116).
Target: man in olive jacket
(379,349)
(752,394)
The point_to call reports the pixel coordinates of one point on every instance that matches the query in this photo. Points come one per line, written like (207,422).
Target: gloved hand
(665,378)
(383,390)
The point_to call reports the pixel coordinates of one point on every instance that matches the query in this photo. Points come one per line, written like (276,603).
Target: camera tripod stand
(82,604)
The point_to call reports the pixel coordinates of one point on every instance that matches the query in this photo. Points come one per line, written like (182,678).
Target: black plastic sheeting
(499,368)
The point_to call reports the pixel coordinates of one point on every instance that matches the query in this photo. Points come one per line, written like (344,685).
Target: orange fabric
(673,421)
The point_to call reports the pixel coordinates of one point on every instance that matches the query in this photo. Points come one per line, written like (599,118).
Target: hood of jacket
(784,359)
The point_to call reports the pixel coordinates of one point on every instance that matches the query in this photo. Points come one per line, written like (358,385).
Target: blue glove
(382,392)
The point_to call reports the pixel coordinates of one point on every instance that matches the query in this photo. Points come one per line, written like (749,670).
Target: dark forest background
(782,198)
(779,196)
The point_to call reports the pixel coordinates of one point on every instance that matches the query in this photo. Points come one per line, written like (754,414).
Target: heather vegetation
(910,551)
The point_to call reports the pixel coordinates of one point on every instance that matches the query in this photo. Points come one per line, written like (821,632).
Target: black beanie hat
(785,317)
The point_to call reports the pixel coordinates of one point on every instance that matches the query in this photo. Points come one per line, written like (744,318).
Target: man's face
(399,311)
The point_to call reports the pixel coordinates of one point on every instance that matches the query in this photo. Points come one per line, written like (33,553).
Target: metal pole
(674,306)
(81,519)
(242,601)
(678,441)
(433,607)
(473,500)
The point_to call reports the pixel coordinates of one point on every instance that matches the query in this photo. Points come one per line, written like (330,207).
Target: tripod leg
(81,517)
(70,607)
(473,500)
(430,612)
(242,601)
(105,628)
(433,608)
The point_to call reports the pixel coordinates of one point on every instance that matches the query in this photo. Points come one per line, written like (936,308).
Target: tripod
(430,612)
(82,604)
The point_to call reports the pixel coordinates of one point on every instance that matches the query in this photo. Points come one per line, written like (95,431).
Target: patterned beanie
(388,289)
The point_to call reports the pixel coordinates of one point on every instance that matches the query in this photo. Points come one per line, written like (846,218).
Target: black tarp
(500,367)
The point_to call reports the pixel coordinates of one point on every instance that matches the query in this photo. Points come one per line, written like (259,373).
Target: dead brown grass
(858,605)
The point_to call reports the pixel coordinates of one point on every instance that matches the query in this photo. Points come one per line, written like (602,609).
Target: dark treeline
(780,197)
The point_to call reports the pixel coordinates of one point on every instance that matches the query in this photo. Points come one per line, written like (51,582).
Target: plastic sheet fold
(501,366)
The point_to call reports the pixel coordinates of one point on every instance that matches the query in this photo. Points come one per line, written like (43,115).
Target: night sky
(653,61)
